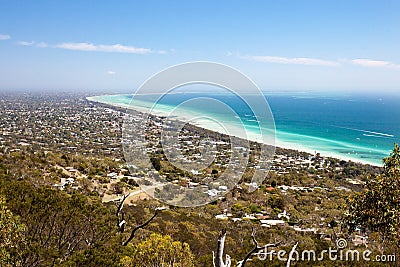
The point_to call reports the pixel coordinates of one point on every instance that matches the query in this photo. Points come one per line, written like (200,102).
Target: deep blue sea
(361,128)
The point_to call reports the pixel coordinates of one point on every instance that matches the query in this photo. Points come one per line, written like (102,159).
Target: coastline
(278,144)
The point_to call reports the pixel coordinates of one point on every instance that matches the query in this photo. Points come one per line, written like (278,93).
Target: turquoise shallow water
(358,127)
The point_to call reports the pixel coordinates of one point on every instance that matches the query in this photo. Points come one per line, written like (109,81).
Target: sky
(300,45)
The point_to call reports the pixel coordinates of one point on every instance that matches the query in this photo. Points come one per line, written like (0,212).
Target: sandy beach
(251,136)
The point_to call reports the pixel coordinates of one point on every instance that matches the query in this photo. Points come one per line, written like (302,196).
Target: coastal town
(301,191)
(199,133)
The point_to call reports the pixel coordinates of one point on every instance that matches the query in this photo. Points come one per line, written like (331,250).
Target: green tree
(12,237)
(57,224)
(159,250)
(392,163)
(378,207)
(156,163)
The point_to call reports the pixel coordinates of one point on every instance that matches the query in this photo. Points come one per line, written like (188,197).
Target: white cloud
(4,37)
(25,43)
(297,60)
(41,45)
(374,63)
(33,43)
(110,72)
(118,48)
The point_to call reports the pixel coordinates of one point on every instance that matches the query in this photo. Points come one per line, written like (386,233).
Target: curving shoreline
(279,144)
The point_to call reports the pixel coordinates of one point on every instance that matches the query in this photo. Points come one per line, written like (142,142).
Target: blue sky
(281,45)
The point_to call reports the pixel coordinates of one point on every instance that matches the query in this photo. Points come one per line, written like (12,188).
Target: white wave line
(373,135)
(365,131)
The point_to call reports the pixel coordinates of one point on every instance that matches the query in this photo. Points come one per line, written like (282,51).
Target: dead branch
(257,248)
(220,252)
(121,222)
(157,211)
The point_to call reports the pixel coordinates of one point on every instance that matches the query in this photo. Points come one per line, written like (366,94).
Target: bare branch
(220,248)
(157,211)
(256,248)
(213,254)
(120,205)
(253,236)
(122,223)
(220,252)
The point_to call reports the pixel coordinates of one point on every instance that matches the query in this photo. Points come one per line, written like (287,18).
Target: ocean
(361,128)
